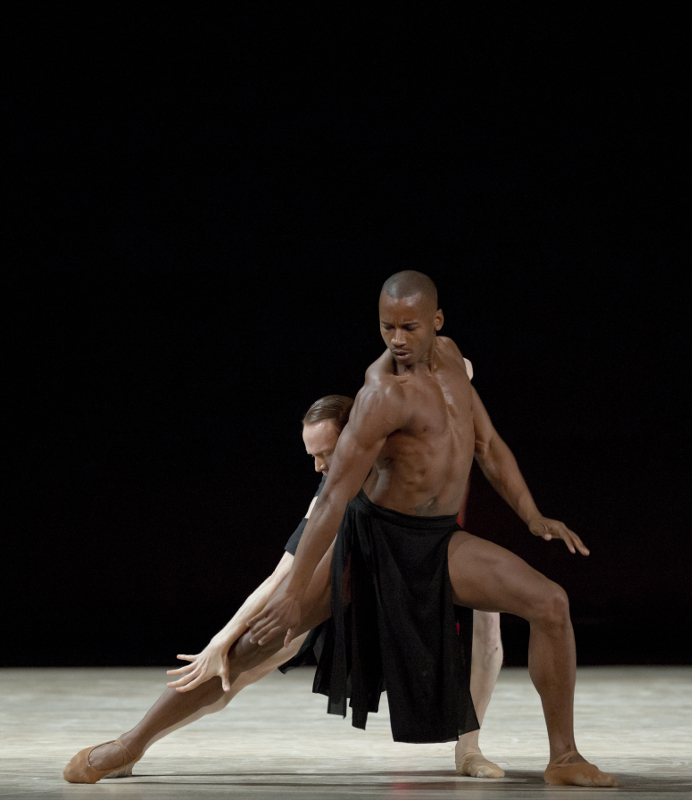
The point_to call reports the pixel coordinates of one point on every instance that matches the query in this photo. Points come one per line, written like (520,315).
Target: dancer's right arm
(379,409)
(213,660)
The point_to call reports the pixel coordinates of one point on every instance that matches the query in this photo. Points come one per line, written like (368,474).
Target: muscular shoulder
(448,347)
(381,400)
(381,383)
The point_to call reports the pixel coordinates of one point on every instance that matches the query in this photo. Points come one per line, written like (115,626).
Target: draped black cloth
(393,625)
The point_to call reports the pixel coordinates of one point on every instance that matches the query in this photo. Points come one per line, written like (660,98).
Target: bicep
(375,415)
(353,459)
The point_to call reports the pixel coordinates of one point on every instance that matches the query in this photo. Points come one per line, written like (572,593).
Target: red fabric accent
(462,508)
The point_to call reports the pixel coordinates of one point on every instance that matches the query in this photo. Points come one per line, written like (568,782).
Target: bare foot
(473,763)
(571,769)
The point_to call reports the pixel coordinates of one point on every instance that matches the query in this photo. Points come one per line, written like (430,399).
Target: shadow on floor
(331,783)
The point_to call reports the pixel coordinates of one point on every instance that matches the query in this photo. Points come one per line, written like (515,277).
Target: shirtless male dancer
(414,430)
(322,426)
(395,483)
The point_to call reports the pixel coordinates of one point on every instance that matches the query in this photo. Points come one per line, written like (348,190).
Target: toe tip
(77,769)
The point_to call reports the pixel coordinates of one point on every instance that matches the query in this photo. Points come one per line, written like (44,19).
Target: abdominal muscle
(420,478)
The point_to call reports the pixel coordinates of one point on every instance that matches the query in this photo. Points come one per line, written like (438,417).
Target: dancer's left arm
(500,468)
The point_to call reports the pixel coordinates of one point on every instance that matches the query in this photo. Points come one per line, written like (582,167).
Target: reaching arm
(254,603)
(500,468)
(377,412)
(213,660)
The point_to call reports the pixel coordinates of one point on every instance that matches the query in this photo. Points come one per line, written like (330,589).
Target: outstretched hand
(554,529)
(212,661)
(281,613)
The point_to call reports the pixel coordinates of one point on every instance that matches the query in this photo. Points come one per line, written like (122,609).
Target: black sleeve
(292,543)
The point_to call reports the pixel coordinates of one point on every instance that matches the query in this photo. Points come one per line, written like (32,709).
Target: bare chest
(440,411)
(423,467)
(441,404)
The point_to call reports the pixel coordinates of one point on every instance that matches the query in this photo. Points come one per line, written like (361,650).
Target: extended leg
(485,667)
(489,578)
(173,709)
(245,679)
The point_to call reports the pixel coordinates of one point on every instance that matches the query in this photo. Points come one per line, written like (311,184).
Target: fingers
(254,620)
(181,670)
(573,541)
(265,632)
(189,672)
(273,632)
(181,681)
(187,687)
(564,533)
(552,529)
(583,549)
(225,681)
(290,635)
(256,632)
(186,668)
(259,629)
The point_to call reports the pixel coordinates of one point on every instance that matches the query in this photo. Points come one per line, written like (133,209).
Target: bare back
(423,467)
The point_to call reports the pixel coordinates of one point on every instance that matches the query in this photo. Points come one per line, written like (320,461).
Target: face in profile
(320,440)
(408,326)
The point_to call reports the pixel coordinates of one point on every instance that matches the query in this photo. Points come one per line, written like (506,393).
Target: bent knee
(552,607)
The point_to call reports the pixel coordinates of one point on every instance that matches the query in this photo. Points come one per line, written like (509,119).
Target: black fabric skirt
(394,626)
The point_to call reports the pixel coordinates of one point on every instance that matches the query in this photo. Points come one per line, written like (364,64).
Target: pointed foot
(80,769)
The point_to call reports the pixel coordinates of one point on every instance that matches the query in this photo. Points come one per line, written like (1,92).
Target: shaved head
(409,283)
(409,318)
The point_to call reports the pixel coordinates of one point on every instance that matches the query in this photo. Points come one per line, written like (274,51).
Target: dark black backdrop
(204,204)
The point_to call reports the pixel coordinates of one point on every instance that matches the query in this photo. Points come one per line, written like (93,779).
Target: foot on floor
(474,764)
(571,769)
(109,760)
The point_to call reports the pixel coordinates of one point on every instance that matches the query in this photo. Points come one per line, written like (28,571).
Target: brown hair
(336,407)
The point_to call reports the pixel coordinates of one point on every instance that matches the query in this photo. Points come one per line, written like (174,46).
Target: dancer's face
(320,442)
(408,326)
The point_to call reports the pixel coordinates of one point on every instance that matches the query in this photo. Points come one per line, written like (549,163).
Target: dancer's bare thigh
(488,577)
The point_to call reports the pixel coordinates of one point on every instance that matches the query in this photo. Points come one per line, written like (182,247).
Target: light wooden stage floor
(275,739)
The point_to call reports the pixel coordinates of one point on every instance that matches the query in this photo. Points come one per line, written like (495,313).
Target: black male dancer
(400,559)
(415,428)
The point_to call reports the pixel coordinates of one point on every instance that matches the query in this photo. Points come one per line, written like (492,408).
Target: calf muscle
(487,577)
